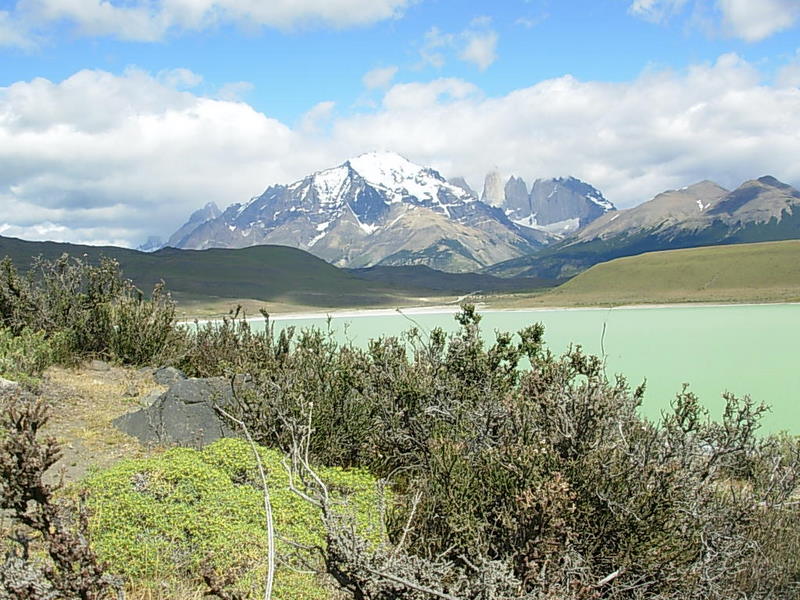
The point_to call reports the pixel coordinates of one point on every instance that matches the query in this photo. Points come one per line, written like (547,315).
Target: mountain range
(703,214)
(376,209)
(381,210)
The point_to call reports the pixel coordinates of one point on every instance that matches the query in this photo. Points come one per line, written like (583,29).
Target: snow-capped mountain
(378,208)
(559,206)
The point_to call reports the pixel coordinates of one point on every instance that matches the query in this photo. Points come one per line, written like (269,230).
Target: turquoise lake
(743,349)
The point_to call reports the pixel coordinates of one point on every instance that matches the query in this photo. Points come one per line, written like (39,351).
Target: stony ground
(84,402)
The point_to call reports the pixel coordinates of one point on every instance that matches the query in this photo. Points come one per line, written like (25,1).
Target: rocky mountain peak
(462,183)
(493,190)
(375,207)
(209,212)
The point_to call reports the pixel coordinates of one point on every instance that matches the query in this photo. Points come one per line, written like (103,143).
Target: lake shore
(444,309)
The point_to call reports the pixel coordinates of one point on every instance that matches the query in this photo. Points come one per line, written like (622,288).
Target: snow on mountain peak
(402,178)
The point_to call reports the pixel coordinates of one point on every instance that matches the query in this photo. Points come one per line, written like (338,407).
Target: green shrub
(91,308)
(25,356)
(162,518)
(549,470)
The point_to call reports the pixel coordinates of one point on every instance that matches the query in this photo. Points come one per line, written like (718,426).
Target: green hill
(761,272)
(425,279)
(266,273)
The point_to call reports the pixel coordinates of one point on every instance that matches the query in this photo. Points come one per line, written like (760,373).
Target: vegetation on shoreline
(514,473)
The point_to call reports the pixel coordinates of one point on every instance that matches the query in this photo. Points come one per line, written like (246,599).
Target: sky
(118,118)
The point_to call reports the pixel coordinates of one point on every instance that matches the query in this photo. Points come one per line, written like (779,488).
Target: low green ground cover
(166,518)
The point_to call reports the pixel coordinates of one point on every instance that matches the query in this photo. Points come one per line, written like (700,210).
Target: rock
(566,201)
(8,385)
(462,183)
(493,192)
(517,202)
(150,398)
(168,376)
(182,415)
(98,365)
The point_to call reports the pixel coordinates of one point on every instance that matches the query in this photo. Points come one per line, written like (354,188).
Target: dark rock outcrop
(183,415)
(168,376)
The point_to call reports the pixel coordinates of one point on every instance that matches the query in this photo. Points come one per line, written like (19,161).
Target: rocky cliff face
(378,208)
(516,202)
(559,206)
(493,193)
(198,218)
(564,205)
(460,182)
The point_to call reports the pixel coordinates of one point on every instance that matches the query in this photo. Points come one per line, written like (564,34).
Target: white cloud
(656,10)
(180,78)
(754,20)
(147,155)
(234,90)
(633,140)
(379,77)
(435,43)
(13,32)
(481,49)
(317,116)
(150,20)
(750,20)
(476,45)
(138,162)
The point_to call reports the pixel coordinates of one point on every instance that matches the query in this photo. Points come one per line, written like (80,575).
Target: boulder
(7,385)
(183,415)
(168,376)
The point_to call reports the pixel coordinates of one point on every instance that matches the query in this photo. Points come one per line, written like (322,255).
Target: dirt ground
(84,402)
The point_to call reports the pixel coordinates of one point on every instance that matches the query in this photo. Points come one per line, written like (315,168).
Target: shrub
(24,357)
(162,518)
(91,308)
(549,470)
(51,556)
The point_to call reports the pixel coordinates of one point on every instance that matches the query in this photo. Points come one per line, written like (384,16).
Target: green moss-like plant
(161,518)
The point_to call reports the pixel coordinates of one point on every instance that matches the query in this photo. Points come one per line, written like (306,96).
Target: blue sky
(119,118)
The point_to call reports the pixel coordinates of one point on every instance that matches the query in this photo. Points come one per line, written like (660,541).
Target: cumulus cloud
(137,163)
(656,10)
(13,32)
(317,116)
(379,77)
(149,154)
(481,49)
(754,21)
(663,130)
(750,20)
(789,74)
(477,45)
(150,20)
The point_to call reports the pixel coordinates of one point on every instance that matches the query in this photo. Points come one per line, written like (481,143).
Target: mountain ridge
(370,208)
(703,214)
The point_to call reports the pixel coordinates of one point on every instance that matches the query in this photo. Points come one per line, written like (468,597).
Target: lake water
(744,349)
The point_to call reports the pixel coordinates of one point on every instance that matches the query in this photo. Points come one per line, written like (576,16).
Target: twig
(411,584)
(267,505)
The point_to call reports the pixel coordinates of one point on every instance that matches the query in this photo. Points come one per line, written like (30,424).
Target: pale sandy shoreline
(484,309)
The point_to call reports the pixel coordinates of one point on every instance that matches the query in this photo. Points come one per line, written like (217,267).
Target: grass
(208,283)
(761,272)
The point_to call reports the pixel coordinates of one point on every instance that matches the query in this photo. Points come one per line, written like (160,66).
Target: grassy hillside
(568,258)
(267,273)
(763,272)
(423,278)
